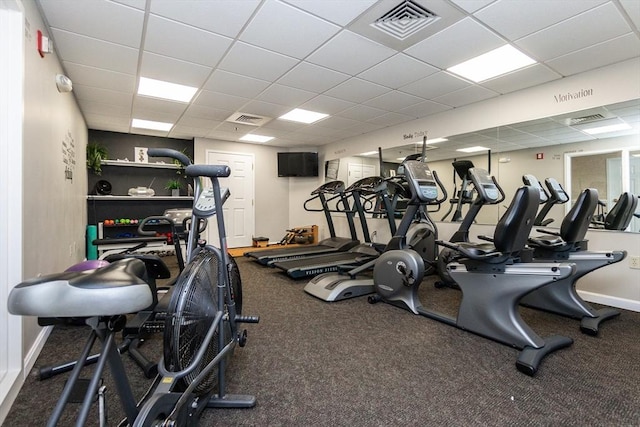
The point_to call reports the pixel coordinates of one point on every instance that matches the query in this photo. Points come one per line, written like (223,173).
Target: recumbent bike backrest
(513,228)
(576,222)
(621,213)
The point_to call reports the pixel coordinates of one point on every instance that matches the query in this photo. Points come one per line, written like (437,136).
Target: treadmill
(363,189)
(326,193)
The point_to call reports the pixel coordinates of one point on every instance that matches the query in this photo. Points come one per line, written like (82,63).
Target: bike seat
(118,288)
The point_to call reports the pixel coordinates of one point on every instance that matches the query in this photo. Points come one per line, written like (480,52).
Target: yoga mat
(92,234)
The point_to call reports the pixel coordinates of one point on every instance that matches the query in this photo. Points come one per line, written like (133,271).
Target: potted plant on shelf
(174,185)
(96,153)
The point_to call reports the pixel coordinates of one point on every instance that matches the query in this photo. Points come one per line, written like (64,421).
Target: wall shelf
(139,165)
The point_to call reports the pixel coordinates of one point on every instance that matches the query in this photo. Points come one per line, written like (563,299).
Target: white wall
(55,210)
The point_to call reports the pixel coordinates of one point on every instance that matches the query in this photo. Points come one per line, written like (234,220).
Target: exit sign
(539,156)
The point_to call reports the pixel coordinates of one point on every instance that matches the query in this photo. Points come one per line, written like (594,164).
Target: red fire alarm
(44,45)
(539,156)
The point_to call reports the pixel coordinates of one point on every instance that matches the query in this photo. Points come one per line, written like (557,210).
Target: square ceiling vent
(247,119)
(405,19)
(406,23)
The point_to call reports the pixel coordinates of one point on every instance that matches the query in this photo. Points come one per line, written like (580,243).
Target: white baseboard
(13,381)
(36,348)
(623,303)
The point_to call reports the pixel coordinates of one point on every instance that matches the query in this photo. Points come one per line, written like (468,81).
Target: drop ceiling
(265,57)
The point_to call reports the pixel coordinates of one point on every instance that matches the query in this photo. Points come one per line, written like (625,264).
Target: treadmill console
(556,190)
(421,181)
(484,185)
(205,206)
(532,181)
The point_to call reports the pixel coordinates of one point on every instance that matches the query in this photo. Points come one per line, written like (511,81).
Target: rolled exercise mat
(92,234)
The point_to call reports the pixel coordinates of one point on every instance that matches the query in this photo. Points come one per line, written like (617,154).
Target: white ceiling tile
(350,53)
(181,41)
(606,53)
(465,96)
(91,76)
(195,122)
(327,104)
(527,77)
(105,109)
(256,62)
(341,12)
(161,105)
(336,122)
(424,109)
(471,5)
(173,70)
(158,116)
(220,101)
(123,100)
(632,8)
(95,53)
(312,77)
(226,17)
(291,24)
(285,95)
(443,49)
(515,19)
(100,23)
(576,33)
(108,122)
(187,132)
(391,119)
(362,113)
(357,90)
(435,85)
(393,101)
(398,71)
(266,109)
(208,113)
(235,84)
(138,4)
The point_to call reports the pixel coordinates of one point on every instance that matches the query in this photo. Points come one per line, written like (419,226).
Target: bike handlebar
(168,152)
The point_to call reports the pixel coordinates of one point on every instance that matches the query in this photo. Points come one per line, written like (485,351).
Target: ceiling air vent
(248,119)
(404,20)
(585,119)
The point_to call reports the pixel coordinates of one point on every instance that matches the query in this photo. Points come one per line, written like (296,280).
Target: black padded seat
(115,289)
(574,225)
(621,213)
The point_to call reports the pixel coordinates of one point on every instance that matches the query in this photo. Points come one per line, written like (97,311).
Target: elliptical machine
(415,228)
(490,275)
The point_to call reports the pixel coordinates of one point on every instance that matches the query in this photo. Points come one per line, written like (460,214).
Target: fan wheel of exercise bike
(192,311)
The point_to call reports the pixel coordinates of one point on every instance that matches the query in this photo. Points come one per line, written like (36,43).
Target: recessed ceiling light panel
(250,137)
(607,129)
(149,124)
(303,116)
(165,90)
(472,149)
(492,64)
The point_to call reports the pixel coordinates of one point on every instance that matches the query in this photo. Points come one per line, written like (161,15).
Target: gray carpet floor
(350,363)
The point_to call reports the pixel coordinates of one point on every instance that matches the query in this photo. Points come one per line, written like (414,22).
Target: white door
(239,215)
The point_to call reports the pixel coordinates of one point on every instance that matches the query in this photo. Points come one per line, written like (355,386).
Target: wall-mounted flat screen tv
(297,164)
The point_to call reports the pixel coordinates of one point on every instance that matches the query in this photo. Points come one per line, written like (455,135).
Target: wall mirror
(545,147)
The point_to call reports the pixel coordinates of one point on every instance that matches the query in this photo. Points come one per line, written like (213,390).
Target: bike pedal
(247,319)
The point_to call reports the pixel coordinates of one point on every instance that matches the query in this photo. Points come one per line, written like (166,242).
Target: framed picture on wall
(140,155)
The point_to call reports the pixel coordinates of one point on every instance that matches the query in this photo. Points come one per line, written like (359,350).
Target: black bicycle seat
(117,288)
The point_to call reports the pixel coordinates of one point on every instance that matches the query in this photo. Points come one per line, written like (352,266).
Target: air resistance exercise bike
(201,328)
